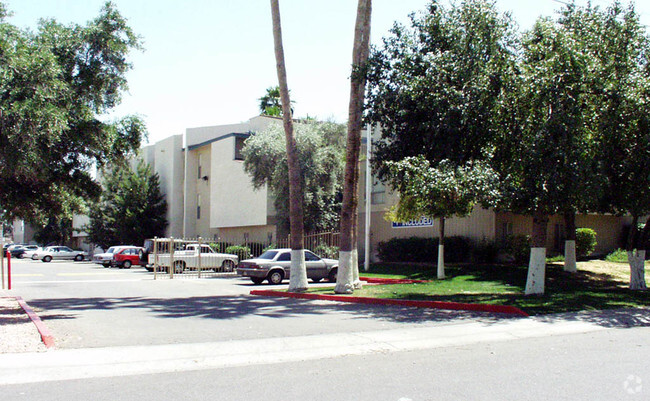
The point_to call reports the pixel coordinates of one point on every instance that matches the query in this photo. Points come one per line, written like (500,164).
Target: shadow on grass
(564,292)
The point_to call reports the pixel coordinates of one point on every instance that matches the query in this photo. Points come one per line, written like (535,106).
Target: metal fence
(178,257)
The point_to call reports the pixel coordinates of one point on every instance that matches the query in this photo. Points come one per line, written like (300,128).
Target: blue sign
(423,222)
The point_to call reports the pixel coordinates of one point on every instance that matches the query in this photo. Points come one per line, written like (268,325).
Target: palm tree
(348,260)
(270,104)
(298,272)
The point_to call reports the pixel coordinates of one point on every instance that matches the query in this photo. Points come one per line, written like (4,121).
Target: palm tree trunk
(298,272)
(360,52)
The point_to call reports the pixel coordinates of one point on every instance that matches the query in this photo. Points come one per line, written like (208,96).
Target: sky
(207,62)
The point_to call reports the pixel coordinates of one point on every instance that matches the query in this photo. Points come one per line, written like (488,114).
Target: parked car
(30,252)
(274,265)
(60,253)
(128,256)
(19,251)
(106,259)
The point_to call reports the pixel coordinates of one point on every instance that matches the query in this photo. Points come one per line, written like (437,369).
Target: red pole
(9,269)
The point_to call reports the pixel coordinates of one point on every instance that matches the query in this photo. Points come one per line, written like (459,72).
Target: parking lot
(86,305)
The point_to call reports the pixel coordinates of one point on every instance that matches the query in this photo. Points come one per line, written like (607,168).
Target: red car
(127,257)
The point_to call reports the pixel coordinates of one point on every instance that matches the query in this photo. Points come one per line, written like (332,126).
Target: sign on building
(422,222)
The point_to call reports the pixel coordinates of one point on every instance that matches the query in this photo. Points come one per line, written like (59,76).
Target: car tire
(47,259)
(179,266)
(331,277)
(228,265)
(275,277)
(79,258)
(106,264)
(20,256)
(315,280)
(257,280)
(126,264)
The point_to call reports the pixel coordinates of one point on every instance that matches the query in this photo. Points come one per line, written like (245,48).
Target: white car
(105,259)
(29,253)
(60,253)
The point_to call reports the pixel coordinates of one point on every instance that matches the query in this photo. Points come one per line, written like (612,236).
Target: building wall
(235,203)
(169,163)
(609,229)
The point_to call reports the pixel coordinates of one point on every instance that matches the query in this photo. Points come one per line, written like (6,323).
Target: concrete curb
(46,336)
(397,302)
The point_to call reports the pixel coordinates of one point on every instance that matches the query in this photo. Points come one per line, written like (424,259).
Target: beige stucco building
(481,224)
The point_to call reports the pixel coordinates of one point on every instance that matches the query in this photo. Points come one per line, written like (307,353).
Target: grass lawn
(597,285)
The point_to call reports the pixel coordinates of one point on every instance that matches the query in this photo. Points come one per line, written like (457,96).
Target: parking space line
(88,274)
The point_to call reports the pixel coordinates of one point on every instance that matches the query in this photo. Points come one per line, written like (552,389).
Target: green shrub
(242,252)
(419,249)
(585,242)
(325,251)
(618,256)
(486,251)
(220,247)
(518,246)
(555,259)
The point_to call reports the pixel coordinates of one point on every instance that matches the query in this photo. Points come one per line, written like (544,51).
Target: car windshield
(268,255)
(111,250)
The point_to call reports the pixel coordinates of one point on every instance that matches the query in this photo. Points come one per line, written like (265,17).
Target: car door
(65,253)
(284,259)
(316,267)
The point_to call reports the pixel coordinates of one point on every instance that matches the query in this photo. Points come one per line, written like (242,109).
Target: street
(121,335)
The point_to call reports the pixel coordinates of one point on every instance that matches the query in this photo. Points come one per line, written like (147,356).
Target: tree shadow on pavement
(235,307)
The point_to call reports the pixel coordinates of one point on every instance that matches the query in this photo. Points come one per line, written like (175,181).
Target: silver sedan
(274,265)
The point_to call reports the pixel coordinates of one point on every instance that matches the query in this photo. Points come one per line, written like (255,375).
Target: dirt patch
(17,332)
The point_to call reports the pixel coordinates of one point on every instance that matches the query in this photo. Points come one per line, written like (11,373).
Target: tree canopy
(434,86)
(321,156)
(131,209)
(56,86)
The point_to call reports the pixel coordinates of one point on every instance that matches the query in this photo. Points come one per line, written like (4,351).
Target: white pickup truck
(188,259)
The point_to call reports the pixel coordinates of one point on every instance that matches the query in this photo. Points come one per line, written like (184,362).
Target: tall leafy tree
(57,231)
(348,271)
(545,159)
(55,85)
(131,209)
(621,46)
(435,89)
(320,148)
(439,193)
(298,272)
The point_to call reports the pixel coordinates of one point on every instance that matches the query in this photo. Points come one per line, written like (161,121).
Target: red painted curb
(379,280)
(46,336)
(397,302)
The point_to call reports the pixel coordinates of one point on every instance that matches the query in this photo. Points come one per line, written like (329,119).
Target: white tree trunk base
(357,284)
(344,277)
(637,270)
(441,262)
(570,256)
(536,272)
(298,272)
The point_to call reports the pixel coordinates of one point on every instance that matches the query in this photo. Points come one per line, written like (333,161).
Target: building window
(506,231)
(239,145)
(198,207)
(198,175)
(378,195)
